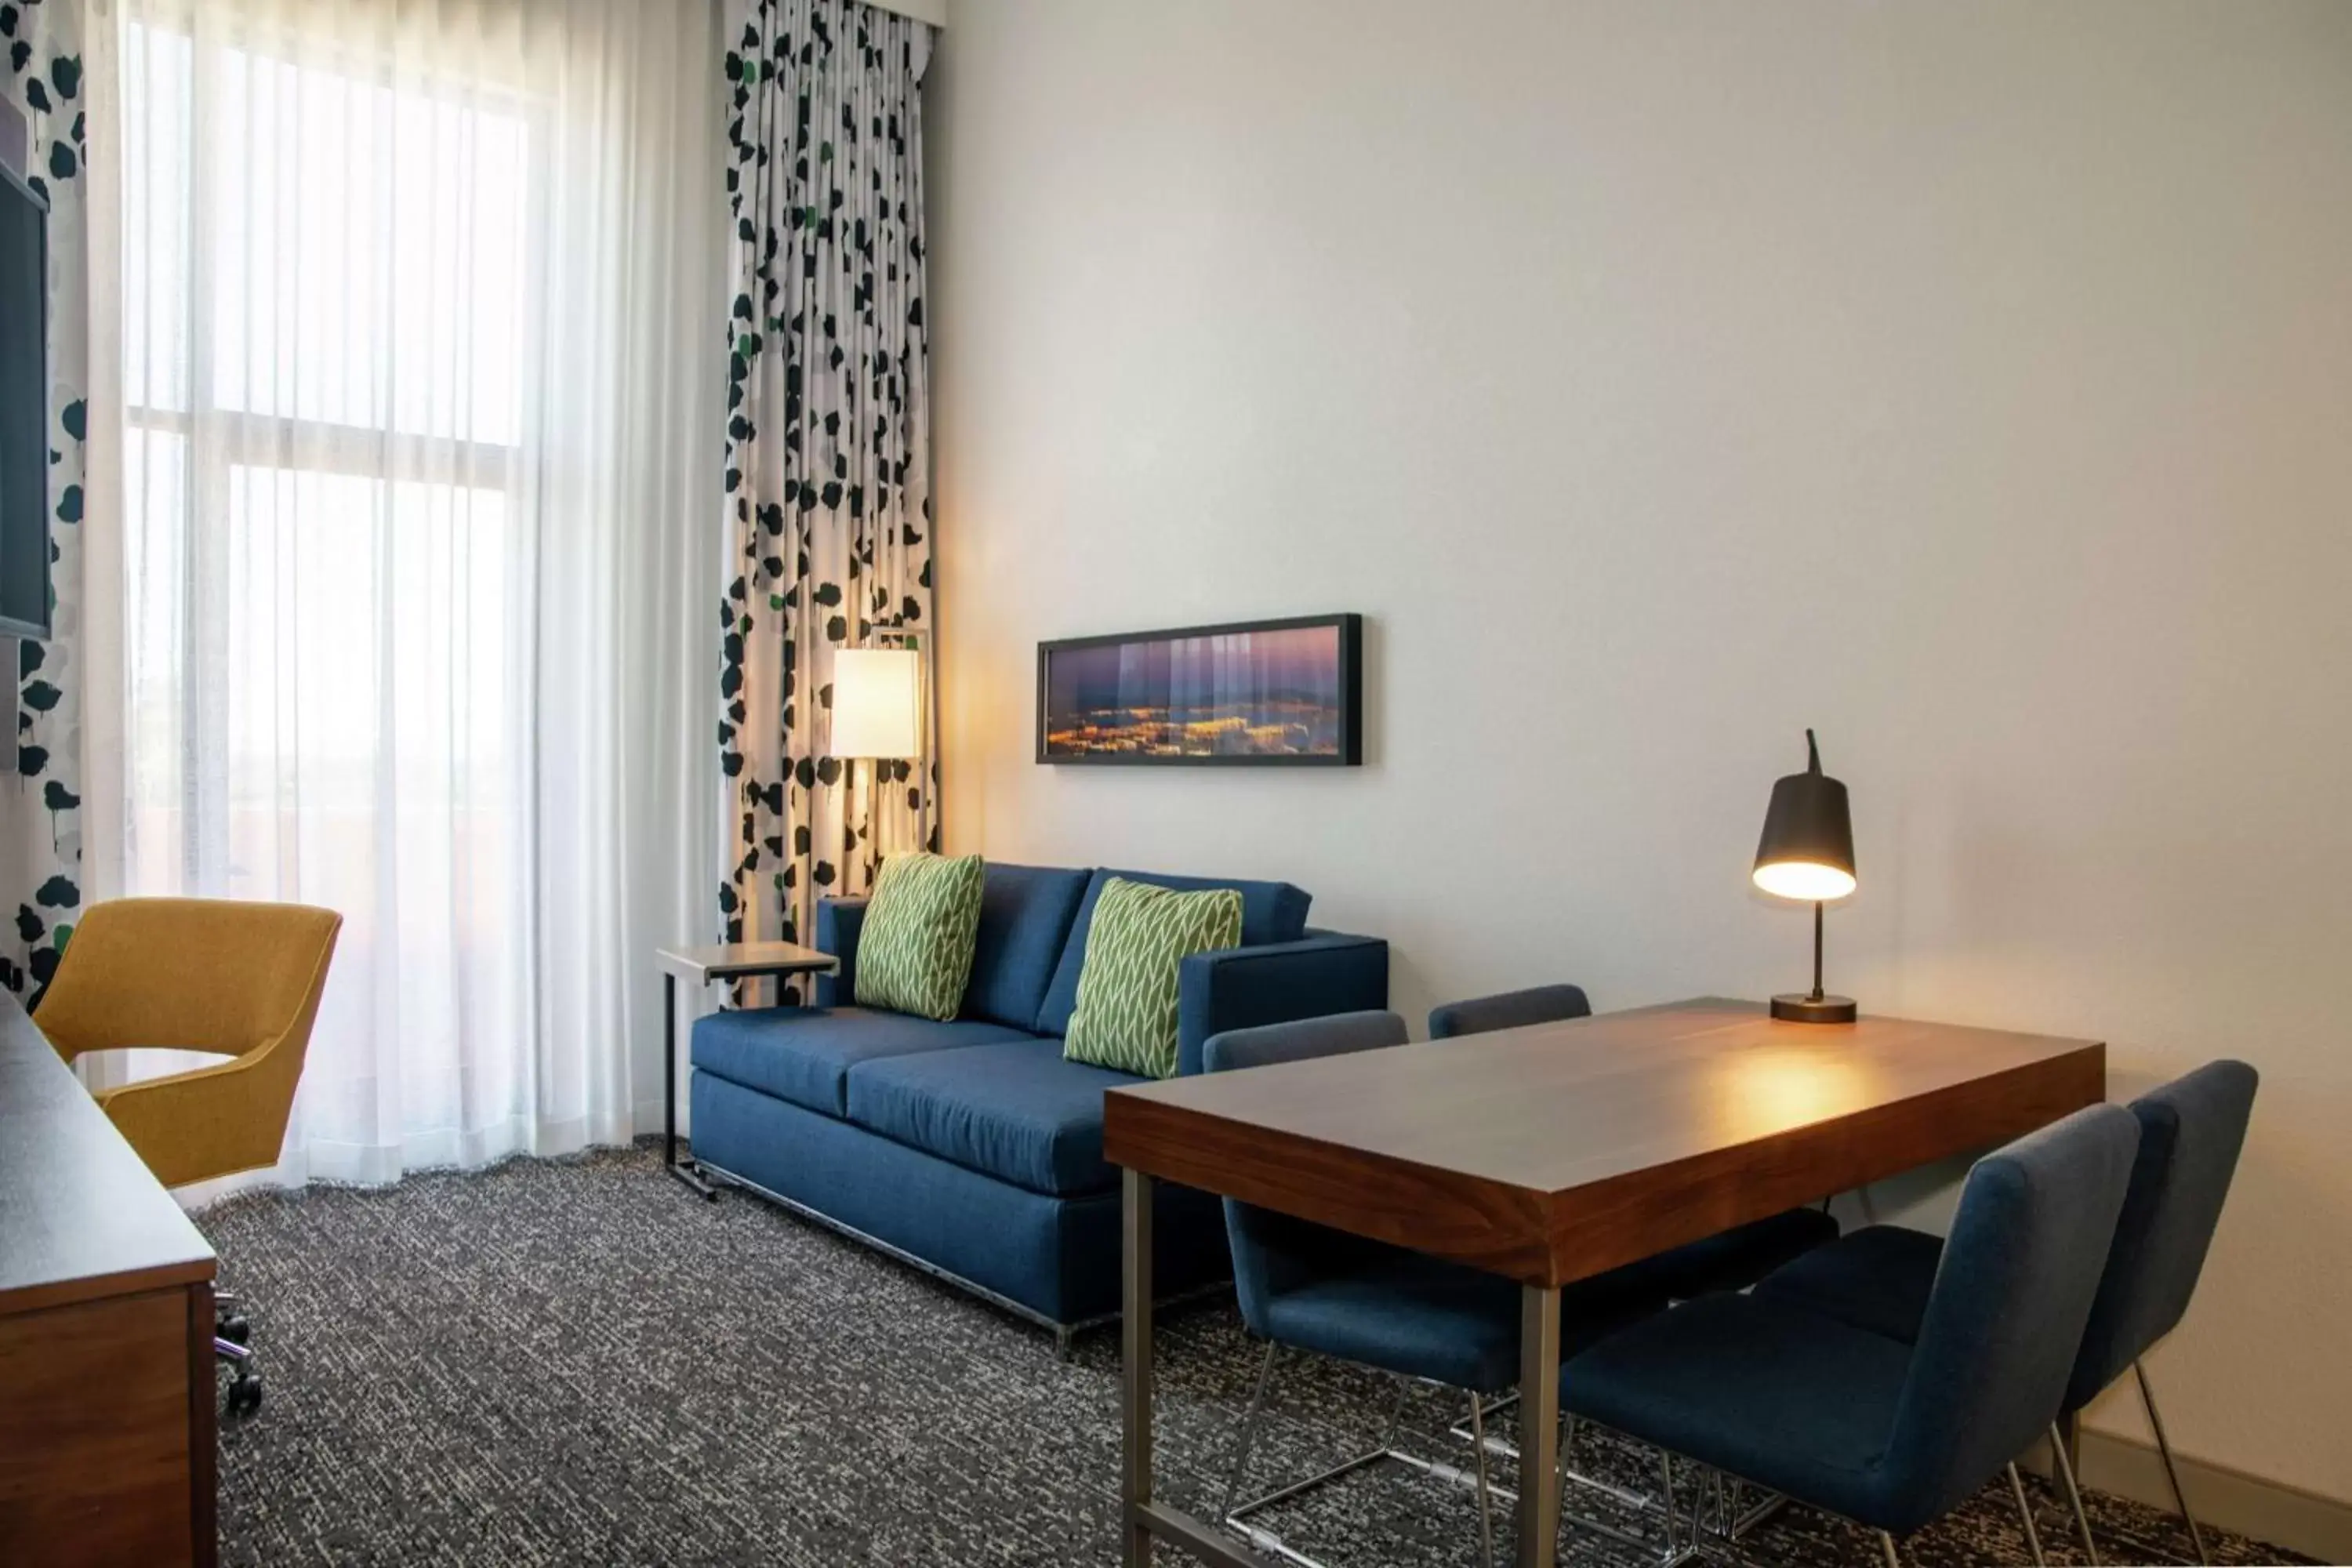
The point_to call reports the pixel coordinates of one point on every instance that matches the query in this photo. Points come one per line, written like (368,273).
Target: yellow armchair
(233,978)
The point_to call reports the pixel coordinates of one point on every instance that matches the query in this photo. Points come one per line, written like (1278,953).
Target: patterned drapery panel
(828,448)
(43,139)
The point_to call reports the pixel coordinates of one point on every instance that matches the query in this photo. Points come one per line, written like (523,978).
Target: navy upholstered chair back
(1274,1253)
(2190,1132)
(1511,1010)
(2011,1299)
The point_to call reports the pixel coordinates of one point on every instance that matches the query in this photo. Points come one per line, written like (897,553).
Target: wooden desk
(702,965)
(1558,1152)
(105,1333)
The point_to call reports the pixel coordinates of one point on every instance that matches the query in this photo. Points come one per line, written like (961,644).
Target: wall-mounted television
(1249,694)
(24,499)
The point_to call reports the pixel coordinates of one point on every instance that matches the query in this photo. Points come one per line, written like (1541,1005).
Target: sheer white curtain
(417,429)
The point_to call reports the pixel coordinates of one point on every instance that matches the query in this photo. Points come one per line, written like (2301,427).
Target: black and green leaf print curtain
(42,131)
(828,446)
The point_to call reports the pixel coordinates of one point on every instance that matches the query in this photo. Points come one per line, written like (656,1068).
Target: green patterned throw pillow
(1126,1017)
(914,951)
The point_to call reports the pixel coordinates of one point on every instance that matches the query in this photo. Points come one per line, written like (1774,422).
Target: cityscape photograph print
(1274,693)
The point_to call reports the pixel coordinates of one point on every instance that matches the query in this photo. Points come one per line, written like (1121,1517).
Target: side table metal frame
(689,1171)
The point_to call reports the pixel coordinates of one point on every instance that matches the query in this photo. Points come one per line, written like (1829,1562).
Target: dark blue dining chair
(1729,1260)
(2191,1133)
(1311,1287)
(1890,1435)
(1509,1010)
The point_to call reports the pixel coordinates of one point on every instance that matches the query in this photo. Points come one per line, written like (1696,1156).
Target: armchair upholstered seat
(220,977)
(223,978)
(1728,1260)
(1890,1435)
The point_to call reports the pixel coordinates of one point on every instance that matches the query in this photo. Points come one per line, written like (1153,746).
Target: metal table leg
(685,1172)
(1141,1518)
(1135,1381)
(1538,1425)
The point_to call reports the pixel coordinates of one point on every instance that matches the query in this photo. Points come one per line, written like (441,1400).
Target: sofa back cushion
(1025,919)
(1271,911)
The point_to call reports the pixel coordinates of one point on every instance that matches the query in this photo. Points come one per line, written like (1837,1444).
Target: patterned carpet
(577,1362)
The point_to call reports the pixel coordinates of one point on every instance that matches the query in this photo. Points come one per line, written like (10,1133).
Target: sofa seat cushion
(1271,912)
(1025,918)
(1015,1111)
(804,1054)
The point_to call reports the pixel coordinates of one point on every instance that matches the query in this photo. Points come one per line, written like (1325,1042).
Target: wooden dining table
(1551,1154)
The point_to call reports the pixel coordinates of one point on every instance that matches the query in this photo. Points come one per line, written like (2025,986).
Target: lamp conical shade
(1807,850)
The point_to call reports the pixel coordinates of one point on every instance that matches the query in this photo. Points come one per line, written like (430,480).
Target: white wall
(1972,381)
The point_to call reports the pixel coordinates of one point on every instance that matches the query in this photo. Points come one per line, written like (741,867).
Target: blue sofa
(972,1148)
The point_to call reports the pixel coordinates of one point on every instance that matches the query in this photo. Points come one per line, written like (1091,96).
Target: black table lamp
(1807,852)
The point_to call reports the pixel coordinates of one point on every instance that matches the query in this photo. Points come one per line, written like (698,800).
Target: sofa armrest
(838,921)
(1242,987)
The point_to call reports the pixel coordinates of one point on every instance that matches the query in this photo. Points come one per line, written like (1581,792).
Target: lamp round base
(1796,1007)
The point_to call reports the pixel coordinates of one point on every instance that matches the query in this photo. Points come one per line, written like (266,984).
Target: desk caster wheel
(245,1393)
(237,1329)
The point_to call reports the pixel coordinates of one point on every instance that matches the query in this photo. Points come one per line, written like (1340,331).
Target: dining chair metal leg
(2025,1517)
(1887,1549)
(1236,1514)
(1769,1504)
(1396,1416)
(1666,1496)
(2171,1471)
(1486,1504)
(1248,1437)
(2074,1493)
(1504,1448)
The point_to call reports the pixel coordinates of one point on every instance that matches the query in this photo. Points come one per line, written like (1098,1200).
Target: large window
(326,608)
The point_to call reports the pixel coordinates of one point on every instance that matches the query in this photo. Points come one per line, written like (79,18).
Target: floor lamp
(877,715)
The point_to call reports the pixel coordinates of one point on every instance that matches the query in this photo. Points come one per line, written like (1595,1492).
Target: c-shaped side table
(740,961)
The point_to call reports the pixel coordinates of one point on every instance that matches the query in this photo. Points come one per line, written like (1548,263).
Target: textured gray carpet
(579,1362)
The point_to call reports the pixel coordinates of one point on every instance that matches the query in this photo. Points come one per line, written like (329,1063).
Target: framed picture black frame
(1349,750)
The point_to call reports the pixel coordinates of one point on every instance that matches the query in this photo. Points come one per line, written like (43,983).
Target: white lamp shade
(876,702)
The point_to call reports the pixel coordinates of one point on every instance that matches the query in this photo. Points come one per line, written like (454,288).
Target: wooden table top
(731,960)
(80,1214)
(1562,1149)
